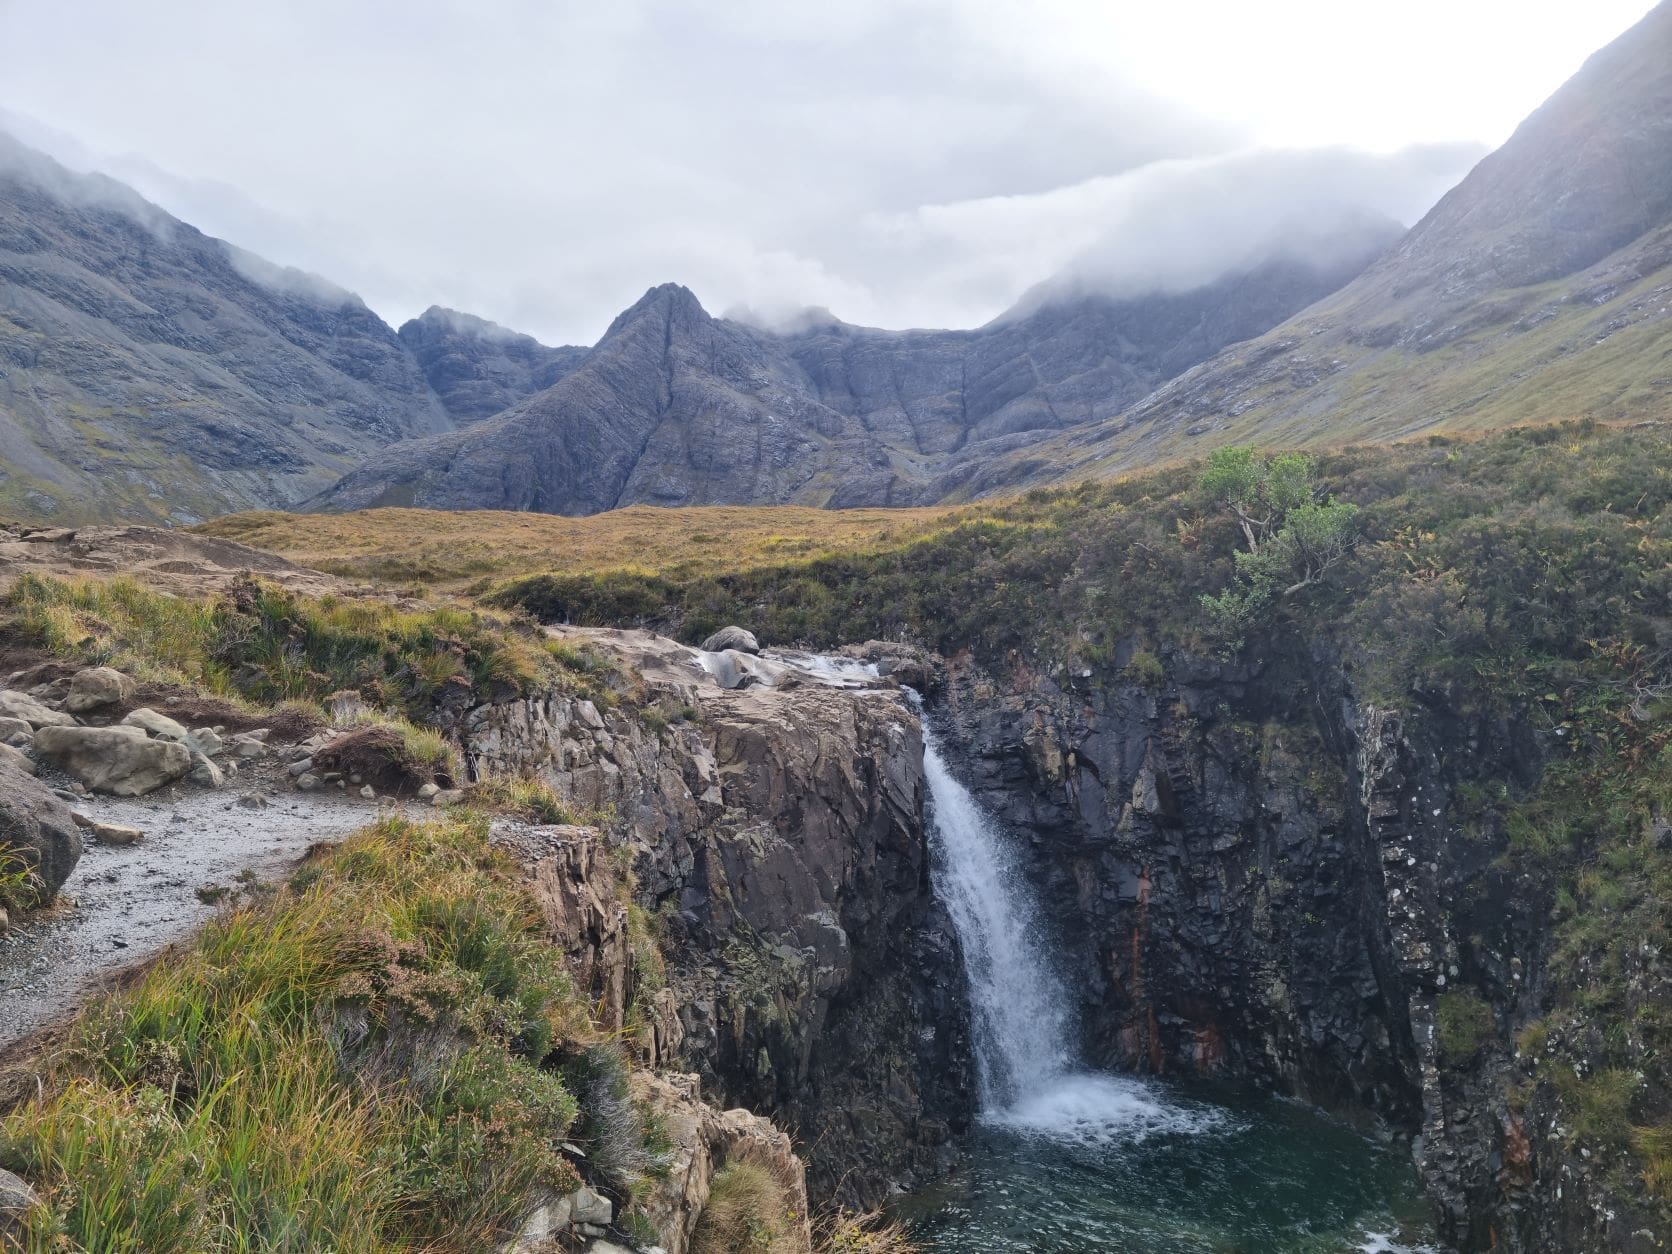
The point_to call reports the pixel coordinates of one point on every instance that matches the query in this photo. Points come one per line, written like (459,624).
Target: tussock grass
(354,1064)
(522,797)
(751,1210)
(451,549)
(17,891)
(848,1232)
(261,643)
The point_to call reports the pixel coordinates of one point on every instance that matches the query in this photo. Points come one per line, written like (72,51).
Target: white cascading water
(1025,1026)
(1021,1016)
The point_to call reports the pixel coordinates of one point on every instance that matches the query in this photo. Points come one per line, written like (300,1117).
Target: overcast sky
(902,162)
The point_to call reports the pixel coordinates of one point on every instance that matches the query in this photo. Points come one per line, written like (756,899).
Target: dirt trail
(132,901)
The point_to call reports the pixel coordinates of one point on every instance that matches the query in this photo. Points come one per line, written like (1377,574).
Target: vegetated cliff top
(1539,288)
(1520,580)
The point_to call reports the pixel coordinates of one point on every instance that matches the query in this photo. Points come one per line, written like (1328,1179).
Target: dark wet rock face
(37,832)
(1253,873)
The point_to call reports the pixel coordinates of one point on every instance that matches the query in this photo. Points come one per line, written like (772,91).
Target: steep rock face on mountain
(148,371)
(1253,873)
(777,837)
(1539,288)
(478,368)
(674,407)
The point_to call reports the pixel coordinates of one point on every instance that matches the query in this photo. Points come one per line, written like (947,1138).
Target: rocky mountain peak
(669,303)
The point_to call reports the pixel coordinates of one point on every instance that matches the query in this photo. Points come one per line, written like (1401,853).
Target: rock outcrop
(478,368)
(777,837)
(704,1140)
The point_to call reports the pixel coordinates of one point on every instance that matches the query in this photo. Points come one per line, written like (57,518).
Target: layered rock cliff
(1258,874)
(777,842)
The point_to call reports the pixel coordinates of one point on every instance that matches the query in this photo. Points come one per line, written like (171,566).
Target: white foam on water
(1104,1111)
(1383,1243)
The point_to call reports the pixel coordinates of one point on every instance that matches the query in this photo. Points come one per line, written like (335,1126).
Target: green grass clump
(358,1063)
(264,644)
(751,1210)
(522,797)
(1465,1024)
(17,883)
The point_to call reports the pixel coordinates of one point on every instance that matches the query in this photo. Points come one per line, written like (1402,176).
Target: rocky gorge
(1252,869)
(1257,873)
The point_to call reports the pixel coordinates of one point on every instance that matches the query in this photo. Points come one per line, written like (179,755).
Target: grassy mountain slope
(1539,288)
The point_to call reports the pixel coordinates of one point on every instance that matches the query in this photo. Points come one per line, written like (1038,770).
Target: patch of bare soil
(177,561)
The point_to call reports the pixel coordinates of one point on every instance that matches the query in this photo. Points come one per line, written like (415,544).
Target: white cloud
(542,162)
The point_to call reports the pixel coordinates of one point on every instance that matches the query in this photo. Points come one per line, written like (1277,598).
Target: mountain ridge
(1536,290)
(676,407)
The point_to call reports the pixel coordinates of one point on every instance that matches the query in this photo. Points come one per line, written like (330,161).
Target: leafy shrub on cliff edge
(353,1064)
(1465,1024)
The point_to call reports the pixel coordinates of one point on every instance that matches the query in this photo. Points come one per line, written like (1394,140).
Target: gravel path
(132,901)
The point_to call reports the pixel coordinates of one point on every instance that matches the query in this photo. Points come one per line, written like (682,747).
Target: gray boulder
(205,774)
(16,758)
(21,705)
(10,728)
(589,1207)
(205,740)
(96,687)
(119,760)
(154,724)
(733,637)
(17,1199)
(38,828)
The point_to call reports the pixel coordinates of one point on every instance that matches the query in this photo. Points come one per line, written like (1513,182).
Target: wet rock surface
(1255,874)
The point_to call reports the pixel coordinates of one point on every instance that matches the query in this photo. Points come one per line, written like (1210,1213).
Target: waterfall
(1022,1021)
(1027,1061)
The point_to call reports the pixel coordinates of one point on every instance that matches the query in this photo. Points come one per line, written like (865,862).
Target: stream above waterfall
(1067,1160)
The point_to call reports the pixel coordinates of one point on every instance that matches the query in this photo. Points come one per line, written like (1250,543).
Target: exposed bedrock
(1252,873)
(777,838)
